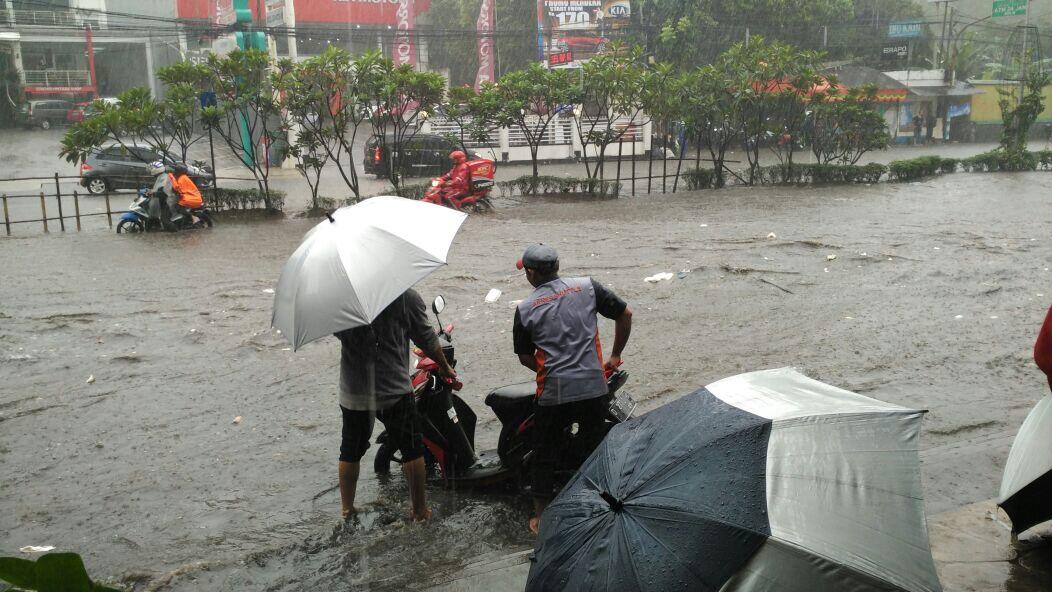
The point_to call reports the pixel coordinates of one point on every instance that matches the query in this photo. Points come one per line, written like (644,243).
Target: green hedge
(999,160)
(914,168)
(548,185)
(821,174)
(220,199)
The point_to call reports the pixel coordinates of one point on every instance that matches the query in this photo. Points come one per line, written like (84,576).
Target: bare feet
(535,525)
(349,512)
(424,518)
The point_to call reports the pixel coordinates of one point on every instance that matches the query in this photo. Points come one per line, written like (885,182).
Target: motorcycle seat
(512,394)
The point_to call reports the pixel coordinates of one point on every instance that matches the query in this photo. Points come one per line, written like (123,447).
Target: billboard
(353,12)
(572,31)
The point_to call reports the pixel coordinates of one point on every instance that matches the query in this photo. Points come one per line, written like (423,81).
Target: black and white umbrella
(760,482)
(1026,488)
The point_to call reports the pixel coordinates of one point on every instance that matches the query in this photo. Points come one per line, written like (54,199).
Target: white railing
(448,127)
(559,141)
(58,77)
(49,18)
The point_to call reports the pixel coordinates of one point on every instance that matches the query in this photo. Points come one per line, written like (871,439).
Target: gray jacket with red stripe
(558,321)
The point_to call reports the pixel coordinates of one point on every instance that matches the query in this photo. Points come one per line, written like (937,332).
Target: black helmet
(180,169)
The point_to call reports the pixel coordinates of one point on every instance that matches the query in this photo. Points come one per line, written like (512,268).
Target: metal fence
(65,78)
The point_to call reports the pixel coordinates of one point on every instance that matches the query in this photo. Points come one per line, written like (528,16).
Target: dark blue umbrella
(763,481)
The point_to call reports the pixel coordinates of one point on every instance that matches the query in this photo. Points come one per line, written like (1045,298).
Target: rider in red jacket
(458,179)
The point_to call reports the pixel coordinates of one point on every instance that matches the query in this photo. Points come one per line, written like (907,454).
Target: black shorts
(401,422)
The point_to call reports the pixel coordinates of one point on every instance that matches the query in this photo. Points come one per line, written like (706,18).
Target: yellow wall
(985,109)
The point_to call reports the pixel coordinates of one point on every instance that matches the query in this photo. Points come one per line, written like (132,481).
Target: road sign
(1009,7)
(905,29)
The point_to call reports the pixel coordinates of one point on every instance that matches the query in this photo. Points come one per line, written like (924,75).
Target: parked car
(85,110)
(118,167)
(44,113)
(423,155)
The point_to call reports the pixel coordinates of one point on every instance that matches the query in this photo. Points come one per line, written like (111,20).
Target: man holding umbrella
(557,336)
(375,384)
(352,276)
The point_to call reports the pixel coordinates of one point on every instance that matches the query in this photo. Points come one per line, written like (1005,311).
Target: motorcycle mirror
(438,305)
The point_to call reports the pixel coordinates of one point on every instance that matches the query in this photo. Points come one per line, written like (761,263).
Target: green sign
(1009,7)
(905,29)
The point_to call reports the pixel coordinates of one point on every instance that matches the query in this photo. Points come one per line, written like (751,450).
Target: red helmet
(458,156)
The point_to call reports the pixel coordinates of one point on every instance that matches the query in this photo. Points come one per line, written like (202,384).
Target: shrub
(822,174)
(699,179)
(948,165)
(221,199)
(999,160)
(1044,159)
(546,185)
(914,168)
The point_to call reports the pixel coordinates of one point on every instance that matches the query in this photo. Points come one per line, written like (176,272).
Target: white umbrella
(352,265)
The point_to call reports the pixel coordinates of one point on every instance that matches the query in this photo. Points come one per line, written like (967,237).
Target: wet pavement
(124,361)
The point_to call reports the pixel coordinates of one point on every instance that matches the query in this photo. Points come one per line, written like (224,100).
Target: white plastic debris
(658,277)
(37,548)
(237,420)
(959,317)
(90,379)
(772,235)
(830,257)
(493,295)
(268,291)
(703,225)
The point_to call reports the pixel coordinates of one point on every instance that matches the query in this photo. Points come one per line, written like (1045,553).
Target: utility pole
(1024,59)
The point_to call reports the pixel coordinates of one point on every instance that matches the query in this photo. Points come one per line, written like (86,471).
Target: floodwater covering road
(926,294)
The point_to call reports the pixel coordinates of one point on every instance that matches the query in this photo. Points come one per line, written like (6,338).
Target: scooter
(448,426)
(482,171)
(149,212)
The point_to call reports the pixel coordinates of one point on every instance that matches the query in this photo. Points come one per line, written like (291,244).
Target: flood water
(933,300)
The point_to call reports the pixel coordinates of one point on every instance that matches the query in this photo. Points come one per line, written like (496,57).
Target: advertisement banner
(575,30)
(484,30)
(405,22)
(351,12)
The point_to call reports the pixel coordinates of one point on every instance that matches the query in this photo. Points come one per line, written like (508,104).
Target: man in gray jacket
(556,335)
(375,384)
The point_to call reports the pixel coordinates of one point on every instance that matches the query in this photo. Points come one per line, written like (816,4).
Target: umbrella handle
(329,216)
(615,504)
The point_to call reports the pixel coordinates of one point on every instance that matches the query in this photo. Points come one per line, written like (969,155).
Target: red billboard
(351,12)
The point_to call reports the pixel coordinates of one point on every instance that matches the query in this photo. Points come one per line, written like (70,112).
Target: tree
(247,114)
(843,128)
(717,117)
(1017,118)
(531,99)
(135,119)
(299,120)
(324,97)
(398,99)
(612,85)
(181,112)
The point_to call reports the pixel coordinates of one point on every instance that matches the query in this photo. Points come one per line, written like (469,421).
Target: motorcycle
(448,426)
(482,171)
(150,211)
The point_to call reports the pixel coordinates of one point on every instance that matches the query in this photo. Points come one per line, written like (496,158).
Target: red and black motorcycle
(448,426)
(477,199)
